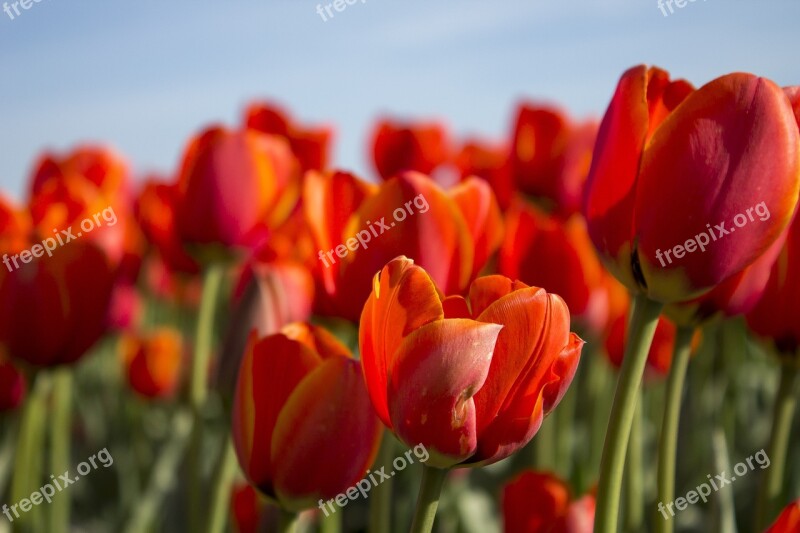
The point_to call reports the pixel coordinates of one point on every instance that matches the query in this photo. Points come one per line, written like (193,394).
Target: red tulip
(311,146)
(53,309)
(672,163)
(471,379)
(153,362)
(538,502)
(12,385)
(550,156)
(788,521)
(545,251)
(398,147)
(246,509)
(489,163)
(450,234)
(303,426)
(234,186)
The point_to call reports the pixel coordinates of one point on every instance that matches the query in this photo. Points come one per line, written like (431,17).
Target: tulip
(659,358)
(471,378)
(153,362)
(234,186)
(788,521)
(490,163)
(449,233)
(311,145)
(12,386)
(303,427)
(538,502)
(550,156)
(247,511)
(692,158)
(398,147)
(571,268)
(667,152)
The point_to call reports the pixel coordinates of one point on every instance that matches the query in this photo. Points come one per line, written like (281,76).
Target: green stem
(668,441)
(198,390)
(785,403)
(333,524)
(634,515)
(642,326)
(60,446)
(30,444)
(380,501)
(222,483)
(163,475)
(428,501)
(287,521)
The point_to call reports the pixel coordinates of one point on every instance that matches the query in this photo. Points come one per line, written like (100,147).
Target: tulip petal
(402,300)
(438,370)
(475,199)
(326,436)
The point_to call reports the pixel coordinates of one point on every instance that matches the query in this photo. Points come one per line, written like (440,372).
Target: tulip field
(583,325)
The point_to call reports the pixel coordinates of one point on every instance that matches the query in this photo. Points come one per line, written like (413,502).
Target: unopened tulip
(399,147)
(153,362)
(234,186)
(469,378)
(788,521)
(689,187)
(303,426)
(539,502)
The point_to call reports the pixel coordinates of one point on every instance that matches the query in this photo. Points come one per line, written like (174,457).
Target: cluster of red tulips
(242,383)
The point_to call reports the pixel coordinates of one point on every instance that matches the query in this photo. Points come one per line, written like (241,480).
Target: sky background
(144,76)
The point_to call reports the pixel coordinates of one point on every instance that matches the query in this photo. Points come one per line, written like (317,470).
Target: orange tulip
(234,186)
(671,161)
(550,156)
(471,379)
(153,362)
(489,163)
(539,502)
(359,228)
(303,426)
(398,147)
(311,146)
(788,521)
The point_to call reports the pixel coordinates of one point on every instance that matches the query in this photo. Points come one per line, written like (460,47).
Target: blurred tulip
(788,521)
(15,227)
(670,161)
(538,502)
(398,147)
(550,156)
(436,234)
(311,146)
(267,298)
(54,309)
(153,362)
(12,385)
(471,379)
(545,251)
(126,308)
(303,426)
(234,186)
(659,359)
(246,509)
(489,163)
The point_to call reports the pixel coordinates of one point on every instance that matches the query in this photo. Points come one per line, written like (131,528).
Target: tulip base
(644,319)
(428,501)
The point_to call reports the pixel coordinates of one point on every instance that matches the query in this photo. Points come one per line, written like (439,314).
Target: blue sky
(144,76)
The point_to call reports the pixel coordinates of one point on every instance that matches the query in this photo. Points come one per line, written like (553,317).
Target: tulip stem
(634,516)
(428,501)
(785,403)
(642,327)
(287,521)
(222,484)
(380,510)
(198,389)
(60,447)
(668,441)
